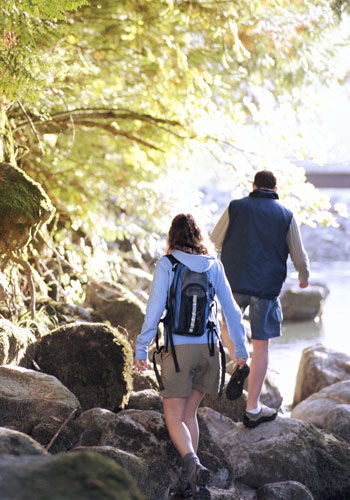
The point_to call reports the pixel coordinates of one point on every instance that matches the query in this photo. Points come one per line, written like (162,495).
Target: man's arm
(218,233)
(298,254)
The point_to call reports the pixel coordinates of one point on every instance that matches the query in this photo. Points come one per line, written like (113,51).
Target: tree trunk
(7,146)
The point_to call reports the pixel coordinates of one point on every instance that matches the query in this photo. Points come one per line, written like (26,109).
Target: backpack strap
(158,377)
(173,260)
(212,331)
(169,333)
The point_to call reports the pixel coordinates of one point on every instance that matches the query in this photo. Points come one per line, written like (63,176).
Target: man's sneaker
(199,478)
(265,415)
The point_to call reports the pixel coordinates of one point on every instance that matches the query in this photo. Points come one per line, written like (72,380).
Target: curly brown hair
(185,235)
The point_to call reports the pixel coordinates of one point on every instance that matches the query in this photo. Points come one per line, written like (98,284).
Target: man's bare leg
(258,369)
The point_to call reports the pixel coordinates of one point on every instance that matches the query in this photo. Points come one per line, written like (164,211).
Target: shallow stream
(332,330)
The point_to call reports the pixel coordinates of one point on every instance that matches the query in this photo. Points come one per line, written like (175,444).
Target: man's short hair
(265,179)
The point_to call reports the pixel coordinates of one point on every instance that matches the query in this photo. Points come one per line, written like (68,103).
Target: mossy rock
(13,342)
(17,443)
(93,360)
(24,207)
(69,476)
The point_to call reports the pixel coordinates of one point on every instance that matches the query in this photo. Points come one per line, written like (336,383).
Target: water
(332,329)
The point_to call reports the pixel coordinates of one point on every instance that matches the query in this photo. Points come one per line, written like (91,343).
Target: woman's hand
(140,366)
(240,362)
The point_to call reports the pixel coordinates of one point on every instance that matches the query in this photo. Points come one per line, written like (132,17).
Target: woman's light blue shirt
(162,280)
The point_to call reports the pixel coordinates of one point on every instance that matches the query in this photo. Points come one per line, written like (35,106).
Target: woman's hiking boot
(199,477)
(181,490)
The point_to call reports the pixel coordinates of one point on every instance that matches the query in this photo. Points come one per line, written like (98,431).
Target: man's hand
(303,285)
(240,362)
(140,366)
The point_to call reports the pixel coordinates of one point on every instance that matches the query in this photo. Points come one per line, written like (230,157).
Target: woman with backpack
(190,368)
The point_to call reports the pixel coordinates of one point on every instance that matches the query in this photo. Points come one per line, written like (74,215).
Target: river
(331,330)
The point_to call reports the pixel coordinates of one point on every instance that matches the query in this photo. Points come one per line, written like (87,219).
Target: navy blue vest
(255,251)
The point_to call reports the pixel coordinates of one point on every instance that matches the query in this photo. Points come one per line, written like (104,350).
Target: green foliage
(113,103)
(28,27)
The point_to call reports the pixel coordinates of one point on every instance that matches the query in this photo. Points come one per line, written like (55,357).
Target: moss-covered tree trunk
(7,147)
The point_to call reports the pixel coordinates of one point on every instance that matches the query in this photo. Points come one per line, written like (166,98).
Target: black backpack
(190,310)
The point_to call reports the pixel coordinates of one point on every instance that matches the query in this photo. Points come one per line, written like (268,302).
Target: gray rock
(283,450)
(17,443)
(319,367)
(148,399)
(302,304)
(287,490)
(328,409)
(30,399)
(141,434)
(122,312)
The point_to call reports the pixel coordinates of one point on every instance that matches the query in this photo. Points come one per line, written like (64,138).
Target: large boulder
(32,402)
(328,409)
(302,304)
(141,434)
(14,341)
(69,476)
(282,450)
(124,312)
(319,367)
(286,490)
(24,208)
(92,359)
(16,443)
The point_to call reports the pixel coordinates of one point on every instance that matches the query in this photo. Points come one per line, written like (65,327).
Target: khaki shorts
(198,370)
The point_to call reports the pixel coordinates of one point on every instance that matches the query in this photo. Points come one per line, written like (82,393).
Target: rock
(135,466)
(69,476)
(287,490)
(270,396)
(24,208)
(17,443)
(282,450)
(30,400)
(123,312)
(231,409)
(328,409)
(148,399)
(64,313)
(319,367)
(302,304)
(139,433)
(13,342)
(146,380)
(92,359)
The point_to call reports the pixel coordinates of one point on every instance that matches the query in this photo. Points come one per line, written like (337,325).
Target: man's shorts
(265,315)
(198,370)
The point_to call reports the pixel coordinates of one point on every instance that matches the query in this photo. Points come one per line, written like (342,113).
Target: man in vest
(255,235)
